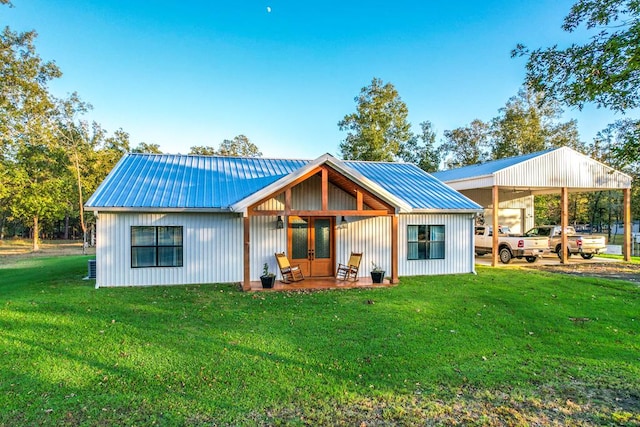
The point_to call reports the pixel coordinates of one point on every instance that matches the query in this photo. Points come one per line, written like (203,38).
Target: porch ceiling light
(279,223)
(343,223)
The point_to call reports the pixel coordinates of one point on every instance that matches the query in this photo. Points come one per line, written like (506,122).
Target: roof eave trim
(155,210)
(447,211)
(459,180)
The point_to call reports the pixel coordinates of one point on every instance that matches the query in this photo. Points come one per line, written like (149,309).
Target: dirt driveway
(609,270)
(595,267)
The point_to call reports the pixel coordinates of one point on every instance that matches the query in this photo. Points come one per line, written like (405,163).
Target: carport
(559,170)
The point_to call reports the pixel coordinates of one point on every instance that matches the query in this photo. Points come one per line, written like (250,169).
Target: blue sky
(196,72)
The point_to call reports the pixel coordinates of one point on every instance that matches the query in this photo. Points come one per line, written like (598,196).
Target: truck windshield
(534,232)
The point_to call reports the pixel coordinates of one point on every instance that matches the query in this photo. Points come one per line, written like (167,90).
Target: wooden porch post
(564,223)
(325,189)
(626,245)
(394,249)
(246,285)
(494,241)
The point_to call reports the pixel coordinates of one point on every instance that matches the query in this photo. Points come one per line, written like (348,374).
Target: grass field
(505,347)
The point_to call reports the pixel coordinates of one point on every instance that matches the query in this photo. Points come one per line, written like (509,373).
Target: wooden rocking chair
(290,273)
(349,271)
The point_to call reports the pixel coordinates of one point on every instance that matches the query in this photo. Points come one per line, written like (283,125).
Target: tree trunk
(66,227)
(36,234)
(594,210)
(83,226)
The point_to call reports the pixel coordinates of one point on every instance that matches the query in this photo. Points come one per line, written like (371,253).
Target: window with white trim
(153,246)
(425,242)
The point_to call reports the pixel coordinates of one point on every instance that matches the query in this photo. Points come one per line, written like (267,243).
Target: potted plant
(267,278)
(377,273)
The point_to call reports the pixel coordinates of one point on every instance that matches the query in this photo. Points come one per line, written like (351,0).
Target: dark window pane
(170,256)
(437,233)
(169,236)
(143,236)
(412,250)
(422,250)
(422,233)
(143,256)
(436,250)
(412,233)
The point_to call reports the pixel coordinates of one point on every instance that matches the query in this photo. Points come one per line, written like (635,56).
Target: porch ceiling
(351,188)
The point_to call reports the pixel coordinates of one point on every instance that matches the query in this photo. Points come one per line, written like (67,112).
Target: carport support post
(564,223)
(246,280)
(626,246)
(494,219)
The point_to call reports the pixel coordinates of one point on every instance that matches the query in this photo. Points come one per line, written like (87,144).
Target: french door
(311,244)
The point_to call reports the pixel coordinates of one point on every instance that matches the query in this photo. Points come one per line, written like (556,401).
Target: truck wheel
(586,256)
(531,259)
(559,252)
(505,255)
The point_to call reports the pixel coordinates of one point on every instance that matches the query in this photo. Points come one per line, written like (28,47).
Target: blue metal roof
(486,168)
(413,185)
(156,181)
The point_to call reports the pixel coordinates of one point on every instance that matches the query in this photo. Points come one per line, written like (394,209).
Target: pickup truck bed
(585,245)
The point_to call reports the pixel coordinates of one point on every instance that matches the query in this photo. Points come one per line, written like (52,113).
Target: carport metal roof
(556,170)
(541,173)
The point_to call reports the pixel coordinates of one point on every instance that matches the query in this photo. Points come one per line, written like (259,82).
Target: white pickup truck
(510,246)
(585,245)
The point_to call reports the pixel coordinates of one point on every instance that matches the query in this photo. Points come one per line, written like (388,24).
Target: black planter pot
(377,276)
(268,281)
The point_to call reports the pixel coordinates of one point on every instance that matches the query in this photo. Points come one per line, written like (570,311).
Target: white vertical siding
(371,236)
(459,256)
(308,194)
(264,241)
(212,249)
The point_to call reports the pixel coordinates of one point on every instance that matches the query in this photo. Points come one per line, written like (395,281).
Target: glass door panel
(299,238)
(311,245)
(322,228)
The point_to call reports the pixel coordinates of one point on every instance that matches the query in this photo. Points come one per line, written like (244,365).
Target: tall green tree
(239,146)
(529,123)
(27,116)
(203,150)
(147,148)
(421,149)
(379,129)
(467,145)
(82,142)
(624,137)
(39,181)
(613,146)
(114,147)
(605,70)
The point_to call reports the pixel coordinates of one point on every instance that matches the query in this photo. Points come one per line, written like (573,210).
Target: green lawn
(499,348)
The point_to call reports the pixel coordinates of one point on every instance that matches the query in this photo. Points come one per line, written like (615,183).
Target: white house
(182,219)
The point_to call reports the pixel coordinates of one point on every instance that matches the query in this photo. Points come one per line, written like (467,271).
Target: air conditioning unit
(92,269)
